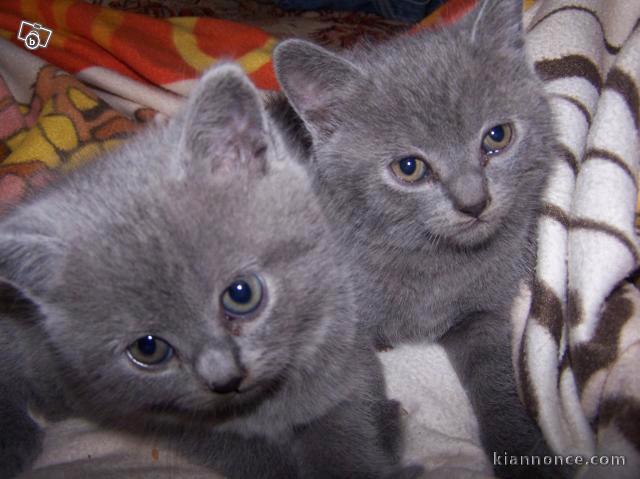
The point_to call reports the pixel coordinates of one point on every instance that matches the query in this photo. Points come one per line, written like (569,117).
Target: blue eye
(497,133)
(243,296)
(408,166)
(240,292)
(149,351)
(497,139)
(410,169)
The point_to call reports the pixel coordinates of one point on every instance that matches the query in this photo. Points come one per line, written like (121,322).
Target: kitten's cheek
(260,366)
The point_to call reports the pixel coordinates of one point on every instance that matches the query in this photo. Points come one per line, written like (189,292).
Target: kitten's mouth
(473,231)
(472,224)
(218,403)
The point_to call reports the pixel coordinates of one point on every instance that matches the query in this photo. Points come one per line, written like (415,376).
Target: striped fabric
(577,328)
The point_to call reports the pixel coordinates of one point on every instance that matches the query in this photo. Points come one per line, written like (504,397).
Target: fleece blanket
(103,73)
(327,27)
(577,327)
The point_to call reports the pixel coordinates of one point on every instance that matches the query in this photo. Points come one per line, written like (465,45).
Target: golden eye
(149,351)
(243,296)
(410,169)
(497,139)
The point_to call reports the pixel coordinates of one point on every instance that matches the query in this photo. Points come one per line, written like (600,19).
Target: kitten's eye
(149,351)
(243,296)
(410,169)
(497,139)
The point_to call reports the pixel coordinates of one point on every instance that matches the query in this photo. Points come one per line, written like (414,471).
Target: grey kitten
(431,153)
(188,286)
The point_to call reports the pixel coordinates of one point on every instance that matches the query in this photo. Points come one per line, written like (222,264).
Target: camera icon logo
(34,35)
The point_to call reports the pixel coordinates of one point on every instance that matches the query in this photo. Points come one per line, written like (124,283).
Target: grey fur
(429,269)
(145,241)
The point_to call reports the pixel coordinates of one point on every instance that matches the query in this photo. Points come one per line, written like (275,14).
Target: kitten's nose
(469,193)
(475,209)
(230,386)
(220,370)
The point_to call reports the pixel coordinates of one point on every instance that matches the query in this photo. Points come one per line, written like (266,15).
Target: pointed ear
(30,262)
(316,81)
(225,123)
(497,24)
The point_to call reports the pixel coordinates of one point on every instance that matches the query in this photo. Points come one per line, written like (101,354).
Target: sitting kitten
(188,286)
(431,153)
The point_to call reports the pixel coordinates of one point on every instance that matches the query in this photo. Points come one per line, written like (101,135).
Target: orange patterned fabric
(447,13)
(63,125)
(102,73)
(156,51)
(453,10)
(331,28)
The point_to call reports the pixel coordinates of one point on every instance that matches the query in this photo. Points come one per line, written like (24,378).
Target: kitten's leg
(391,433)
(20,436)
(357,440)
(480,350)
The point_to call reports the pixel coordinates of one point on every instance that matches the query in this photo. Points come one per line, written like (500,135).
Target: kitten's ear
(30,262)
(315,81)
(225,123)
(497,24)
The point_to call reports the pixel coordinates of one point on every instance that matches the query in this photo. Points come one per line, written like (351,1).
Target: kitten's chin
(472,233)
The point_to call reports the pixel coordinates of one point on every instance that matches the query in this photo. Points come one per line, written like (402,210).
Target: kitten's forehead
(240,219)
(278,197)
(441,77)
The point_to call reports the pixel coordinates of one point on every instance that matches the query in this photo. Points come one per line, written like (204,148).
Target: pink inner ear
(306,93)
(239,122)
(313,101)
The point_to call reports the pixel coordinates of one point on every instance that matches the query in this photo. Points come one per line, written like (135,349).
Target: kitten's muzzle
(469,192)
(474,209)
(221,369)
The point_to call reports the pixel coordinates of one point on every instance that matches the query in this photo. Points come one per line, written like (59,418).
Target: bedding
(327,27)
(577,328)
(107,70)
(405,10)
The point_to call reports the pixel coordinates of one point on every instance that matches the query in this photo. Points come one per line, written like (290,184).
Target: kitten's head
(443,135)
(191,272)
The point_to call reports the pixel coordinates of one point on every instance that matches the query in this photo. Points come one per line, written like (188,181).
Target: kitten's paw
(20,443)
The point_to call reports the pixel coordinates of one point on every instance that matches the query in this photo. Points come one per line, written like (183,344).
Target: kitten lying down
(188,289)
